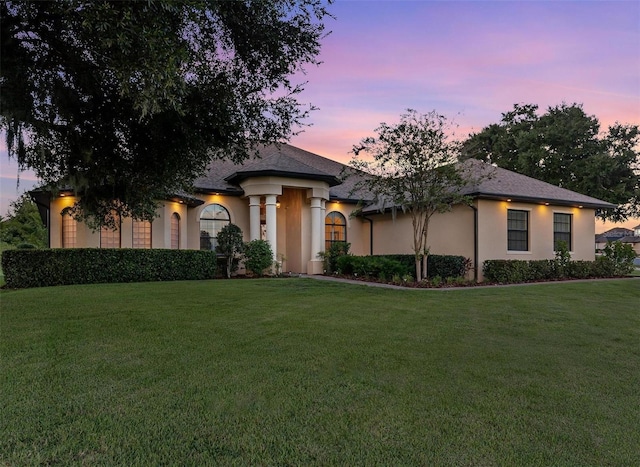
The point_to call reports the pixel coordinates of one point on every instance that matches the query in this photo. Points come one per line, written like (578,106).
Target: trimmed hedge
(442,266)
(43,268)
(503,271)
(378,267)
(386,266)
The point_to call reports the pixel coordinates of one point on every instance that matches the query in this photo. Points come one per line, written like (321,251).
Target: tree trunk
(424,265)
(418,270)
(229,263)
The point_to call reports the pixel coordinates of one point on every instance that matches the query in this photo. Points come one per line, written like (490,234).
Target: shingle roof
(281,165)
(617,232)
(286,160)
(505,184)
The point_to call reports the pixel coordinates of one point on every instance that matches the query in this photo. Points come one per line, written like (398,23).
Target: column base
(315,267)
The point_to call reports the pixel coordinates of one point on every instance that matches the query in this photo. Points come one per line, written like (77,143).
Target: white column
(254,217)
(272,237)
(322,221)
(317,226)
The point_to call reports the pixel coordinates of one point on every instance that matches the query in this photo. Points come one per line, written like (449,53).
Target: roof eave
(541,200)
(238,177)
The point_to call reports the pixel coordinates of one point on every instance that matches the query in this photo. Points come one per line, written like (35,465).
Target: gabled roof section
(222,175)
(282,165)
(502,184)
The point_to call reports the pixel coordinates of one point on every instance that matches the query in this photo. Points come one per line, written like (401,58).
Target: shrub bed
(42,268)
(385,267)
(443,266)
(503,271)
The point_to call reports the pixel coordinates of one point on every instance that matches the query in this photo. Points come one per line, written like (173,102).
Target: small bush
(330,257)
(621,256)
(42,268)
(258,256)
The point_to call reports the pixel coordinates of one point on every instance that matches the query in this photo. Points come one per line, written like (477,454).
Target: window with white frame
(335,229)
(517,230)
(110,238)
(141,234)
(213,218)
(69,230)
(175,231)
(562,224)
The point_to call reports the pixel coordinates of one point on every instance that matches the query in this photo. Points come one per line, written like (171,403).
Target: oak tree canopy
(127,102)
(565,147)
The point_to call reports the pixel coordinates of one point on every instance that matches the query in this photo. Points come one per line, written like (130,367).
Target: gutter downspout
(45,213)
(370,234)
(475,242)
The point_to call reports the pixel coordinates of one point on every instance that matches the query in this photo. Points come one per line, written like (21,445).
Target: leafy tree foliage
(127,102)
(230,245)
(23,225)
(413,166)
(564,147)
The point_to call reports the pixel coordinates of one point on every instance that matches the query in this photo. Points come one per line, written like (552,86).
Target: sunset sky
(468,60)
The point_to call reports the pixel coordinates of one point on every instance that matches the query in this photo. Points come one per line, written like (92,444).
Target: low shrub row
(442,266)
(377,267)
(385,267)
(41,268)
(514,271)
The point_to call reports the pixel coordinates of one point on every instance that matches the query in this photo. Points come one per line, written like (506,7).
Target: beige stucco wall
(450,233)
(85,237)
(492,231)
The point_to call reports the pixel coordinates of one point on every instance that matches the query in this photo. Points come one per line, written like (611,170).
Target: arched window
(213,218)
(175,231)
(69,229)
(141,235)
(110,238)
(335,229)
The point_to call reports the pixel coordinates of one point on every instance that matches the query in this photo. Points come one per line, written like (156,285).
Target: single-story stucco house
(300,203)
(622,235)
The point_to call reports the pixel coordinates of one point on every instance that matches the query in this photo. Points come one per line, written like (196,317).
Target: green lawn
(304,372)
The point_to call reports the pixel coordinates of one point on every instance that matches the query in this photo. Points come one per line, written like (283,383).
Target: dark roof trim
(190,201)
(338,199)
(538,200)
(221,191)
(238,177)
(42,200)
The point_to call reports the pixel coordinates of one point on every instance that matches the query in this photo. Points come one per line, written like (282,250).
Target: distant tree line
(566,147)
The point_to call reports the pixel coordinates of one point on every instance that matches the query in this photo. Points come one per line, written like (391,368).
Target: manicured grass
(303,372)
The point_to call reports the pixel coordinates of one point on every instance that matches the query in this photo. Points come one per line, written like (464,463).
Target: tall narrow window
(561,229)
(213,218)
(141,235)
(110,238)
(335,229)
(517,230)
(175,231)
(69,229)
